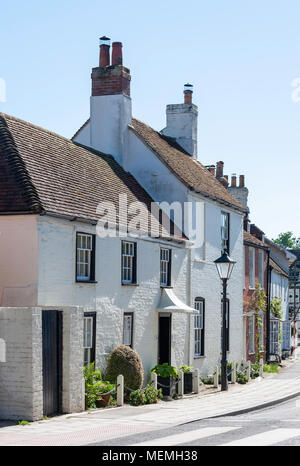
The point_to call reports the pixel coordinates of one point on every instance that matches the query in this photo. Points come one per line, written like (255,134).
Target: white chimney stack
(182,122)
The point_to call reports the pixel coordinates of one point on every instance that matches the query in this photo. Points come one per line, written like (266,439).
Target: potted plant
(104,394)
(188,378)
(166,376)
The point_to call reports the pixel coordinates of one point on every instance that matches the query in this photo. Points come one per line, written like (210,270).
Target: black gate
(52,361)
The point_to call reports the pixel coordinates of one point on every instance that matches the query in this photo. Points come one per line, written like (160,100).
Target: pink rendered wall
(18,260)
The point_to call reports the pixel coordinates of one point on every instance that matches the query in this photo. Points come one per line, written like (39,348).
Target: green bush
(254,371)
(123,360)
(241,377)
(137,398)
(272,368)
(186,369)
(152,395)
(209,380)
(93,380)
(165,370)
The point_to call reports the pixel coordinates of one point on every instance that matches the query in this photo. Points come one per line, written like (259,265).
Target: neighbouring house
(294,296)
(72,287)
(256,276)
(166,164)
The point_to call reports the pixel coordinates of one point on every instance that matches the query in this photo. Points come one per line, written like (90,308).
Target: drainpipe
(268,306)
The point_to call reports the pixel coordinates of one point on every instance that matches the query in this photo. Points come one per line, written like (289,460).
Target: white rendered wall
(57,286)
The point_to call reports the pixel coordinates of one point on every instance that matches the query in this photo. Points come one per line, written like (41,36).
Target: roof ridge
(33,125)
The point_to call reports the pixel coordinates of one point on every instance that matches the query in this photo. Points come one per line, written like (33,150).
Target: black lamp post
(224,266)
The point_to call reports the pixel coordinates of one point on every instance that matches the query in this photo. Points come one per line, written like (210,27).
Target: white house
(72,286)
(165,163)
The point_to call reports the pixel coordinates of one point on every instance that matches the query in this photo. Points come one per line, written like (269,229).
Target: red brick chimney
(110,79)
(233,180)
(116,58)
(104,59)
(188,93)
(242,181)
(219,172)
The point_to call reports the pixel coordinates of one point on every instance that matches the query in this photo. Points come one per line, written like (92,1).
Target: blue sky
(240,56)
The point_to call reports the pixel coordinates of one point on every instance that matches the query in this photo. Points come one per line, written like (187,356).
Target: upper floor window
(199,323)
(251,268)
(85,257)
(128,262)
(225,232)
(261,267)
(165,267)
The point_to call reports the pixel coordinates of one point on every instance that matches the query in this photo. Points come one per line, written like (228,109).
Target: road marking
(265,438)
(186,437)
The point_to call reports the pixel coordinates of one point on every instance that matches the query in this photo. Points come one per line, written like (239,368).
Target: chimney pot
(233,180)
(242,181)
(220,166)
(117,58)
(188,93)
(104,59)
(212,169)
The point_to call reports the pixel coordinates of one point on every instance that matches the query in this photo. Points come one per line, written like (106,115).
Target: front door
(52,361)
(164,339)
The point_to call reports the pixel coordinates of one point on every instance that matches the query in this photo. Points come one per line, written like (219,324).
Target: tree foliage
(287,240)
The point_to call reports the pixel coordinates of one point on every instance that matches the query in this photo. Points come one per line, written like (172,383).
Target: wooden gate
(52,362)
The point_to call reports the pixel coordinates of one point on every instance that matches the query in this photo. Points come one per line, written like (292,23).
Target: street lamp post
(224,267)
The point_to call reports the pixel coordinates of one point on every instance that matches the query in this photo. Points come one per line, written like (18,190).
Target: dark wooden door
(52,361)
(164,340)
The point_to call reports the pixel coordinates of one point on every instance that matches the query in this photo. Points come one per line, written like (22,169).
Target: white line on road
(265,438)
(186,437)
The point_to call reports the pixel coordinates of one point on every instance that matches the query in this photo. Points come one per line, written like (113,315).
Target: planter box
(169,388)
(188,382)
(104,401)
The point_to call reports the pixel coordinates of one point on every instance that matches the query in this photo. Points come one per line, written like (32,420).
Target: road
(277,425)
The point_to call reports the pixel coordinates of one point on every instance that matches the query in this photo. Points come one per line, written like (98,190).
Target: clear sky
(241,57)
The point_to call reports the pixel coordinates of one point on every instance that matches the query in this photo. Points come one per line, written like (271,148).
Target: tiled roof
(190,171)
(248,238)
(53,174)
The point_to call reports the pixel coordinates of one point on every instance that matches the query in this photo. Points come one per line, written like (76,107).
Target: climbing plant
(257,305)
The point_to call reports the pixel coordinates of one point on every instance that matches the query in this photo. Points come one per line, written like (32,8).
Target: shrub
(137,398)
(254,371)
(152,394)
(165,370)
(241,378)
(209,380)
(123,360)
(186,369)
(93,380)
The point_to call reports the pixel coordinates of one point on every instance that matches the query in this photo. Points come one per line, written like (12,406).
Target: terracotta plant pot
(103,401)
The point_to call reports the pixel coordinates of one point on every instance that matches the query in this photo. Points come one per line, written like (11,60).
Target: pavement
(104,425)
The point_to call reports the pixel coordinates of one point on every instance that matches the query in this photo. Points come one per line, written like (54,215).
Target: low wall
(21,371)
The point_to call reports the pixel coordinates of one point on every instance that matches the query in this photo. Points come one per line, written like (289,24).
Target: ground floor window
(89,337)
(274,336)
(199,327)
(128,329)
(286,332)
(251,333)
(261,330)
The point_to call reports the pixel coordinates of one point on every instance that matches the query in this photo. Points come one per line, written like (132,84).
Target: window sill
(166,286)
(199,357)
(83,282)
(130,284)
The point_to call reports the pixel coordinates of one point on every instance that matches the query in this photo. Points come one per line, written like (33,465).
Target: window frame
(201,330)
(168,270)
(274,343)
(251,334)
(261,267)
(261,340)
(92,268)
(226,247)
(251,253)
(131,315)
(91,350)
(133,265)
